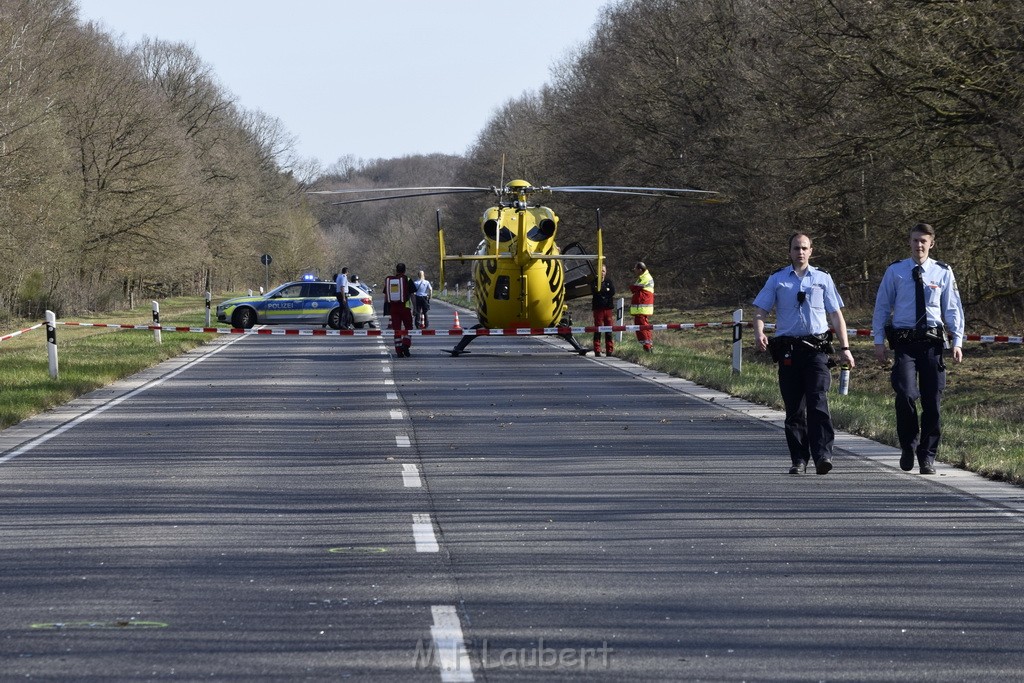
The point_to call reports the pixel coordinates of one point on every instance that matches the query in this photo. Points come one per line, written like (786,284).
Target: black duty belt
(781,347)
(914,335)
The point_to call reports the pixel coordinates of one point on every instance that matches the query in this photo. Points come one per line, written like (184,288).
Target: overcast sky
(367,78)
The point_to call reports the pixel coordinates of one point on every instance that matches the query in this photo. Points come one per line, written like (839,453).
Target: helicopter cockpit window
(502,288)
(542,231)
(504,235)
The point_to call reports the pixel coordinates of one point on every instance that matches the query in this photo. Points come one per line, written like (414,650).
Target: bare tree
(37,236)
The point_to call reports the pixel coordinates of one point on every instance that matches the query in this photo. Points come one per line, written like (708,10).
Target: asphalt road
(311,508)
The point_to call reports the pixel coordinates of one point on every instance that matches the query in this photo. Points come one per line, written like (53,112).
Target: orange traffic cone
(457,326)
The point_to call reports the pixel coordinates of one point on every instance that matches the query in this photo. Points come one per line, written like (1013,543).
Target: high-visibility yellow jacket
(642,302)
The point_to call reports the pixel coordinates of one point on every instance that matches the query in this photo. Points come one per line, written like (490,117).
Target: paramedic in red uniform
(398,291)
(641,306)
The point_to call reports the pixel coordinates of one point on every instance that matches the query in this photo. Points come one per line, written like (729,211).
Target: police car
(311,302)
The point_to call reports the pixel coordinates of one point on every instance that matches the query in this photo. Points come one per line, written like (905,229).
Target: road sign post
(266,260)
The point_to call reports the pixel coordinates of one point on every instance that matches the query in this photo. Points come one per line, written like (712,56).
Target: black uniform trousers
(804,381)
(420,308)
(919,373)
(346,312)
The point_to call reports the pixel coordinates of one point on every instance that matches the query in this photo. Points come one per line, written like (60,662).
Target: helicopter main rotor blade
(517,191)
(406,196)
(402,189)
(616,189)
(681,197)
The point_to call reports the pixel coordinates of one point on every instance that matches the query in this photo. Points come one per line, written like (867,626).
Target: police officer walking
(804,299)
(917,303)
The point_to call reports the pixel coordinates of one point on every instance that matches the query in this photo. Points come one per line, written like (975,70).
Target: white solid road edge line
(25,448)
(449,645)
(423,534)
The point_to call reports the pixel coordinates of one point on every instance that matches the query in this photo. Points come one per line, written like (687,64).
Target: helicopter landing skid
(576,347)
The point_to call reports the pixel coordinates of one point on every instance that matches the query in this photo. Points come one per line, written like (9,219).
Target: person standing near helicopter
(398,291)
(603,305)
(341,292)
(641,306)
(421,304)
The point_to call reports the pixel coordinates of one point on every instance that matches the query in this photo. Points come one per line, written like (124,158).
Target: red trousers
(401,318)
(645,337)
(604,316)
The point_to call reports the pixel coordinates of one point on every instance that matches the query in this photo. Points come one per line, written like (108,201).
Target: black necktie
(922,317)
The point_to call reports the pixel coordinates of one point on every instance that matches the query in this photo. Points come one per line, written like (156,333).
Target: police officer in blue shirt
(804,299)
(341,293)
(917,303)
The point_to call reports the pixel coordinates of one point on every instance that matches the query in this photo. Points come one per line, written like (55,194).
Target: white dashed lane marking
(423,534)
(450,645)
(411,476)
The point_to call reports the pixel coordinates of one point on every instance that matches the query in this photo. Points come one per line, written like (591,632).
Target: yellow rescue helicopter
(520,275)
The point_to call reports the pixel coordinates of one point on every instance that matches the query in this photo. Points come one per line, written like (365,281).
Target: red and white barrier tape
(483,332)
(15,334)
(497,332)
(984,338)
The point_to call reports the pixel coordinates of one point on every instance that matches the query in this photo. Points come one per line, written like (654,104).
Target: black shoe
(823,466)
(798,468)
(907,461)
(927,469)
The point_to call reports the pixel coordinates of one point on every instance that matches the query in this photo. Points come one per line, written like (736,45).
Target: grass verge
(90,357)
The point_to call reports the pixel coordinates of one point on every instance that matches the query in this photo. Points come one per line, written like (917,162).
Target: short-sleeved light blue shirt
(792,318)
(897,301)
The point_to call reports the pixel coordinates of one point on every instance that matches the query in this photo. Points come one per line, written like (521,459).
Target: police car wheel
(334,319)
(243,318)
